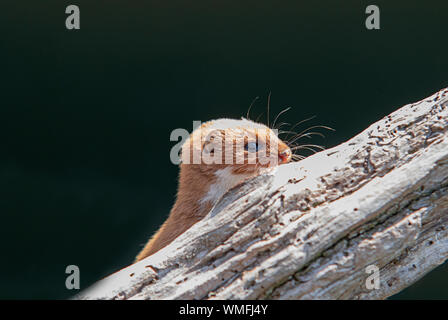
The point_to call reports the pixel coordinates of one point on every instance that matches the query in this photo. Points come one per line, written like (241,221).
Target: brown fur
(195,180)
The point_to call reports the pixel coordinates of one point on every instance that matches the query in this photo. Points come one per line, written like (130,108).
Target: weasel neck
(199,190)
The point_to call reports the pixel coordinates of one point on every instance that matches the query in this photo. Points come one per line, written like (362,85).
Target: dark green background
(85,118)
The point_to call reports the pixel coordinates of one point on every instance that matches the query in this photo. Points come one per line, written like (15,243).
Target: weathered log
(310,229)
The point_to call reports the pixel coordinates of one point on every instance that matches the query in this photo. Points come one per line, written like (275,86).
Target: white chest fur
(225,180)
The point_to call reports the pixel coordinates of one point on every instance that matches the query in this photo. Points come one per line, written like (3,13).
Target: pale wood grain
(308,230)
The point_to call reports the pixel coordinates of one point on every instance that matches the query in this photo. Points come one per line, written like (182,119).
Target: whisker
(286,131)
(305,148)
(269,103)
(308,145)
(297,157)
(251,104)
(259,116)
(305,135)
(302,121)
(314,127)
(280,113)
(310,128)
(281,125)
(311,133)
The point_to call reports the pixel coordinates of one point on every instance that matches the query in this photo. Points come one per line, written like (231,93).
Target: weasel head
(241,146)
(222,153)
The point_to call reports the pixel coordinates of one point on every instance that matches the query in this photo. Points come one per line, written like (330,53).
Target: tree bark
(311,229)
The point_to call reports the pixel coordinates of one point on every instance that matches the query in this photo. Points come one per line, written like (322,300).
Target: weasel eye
(251,147)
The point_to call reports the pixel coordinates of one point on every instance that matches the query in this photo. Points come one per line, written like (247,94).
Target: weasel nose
(285,156)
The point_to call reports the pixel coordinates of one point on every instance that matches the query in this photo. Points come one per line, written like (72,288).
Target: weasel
(217,156)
